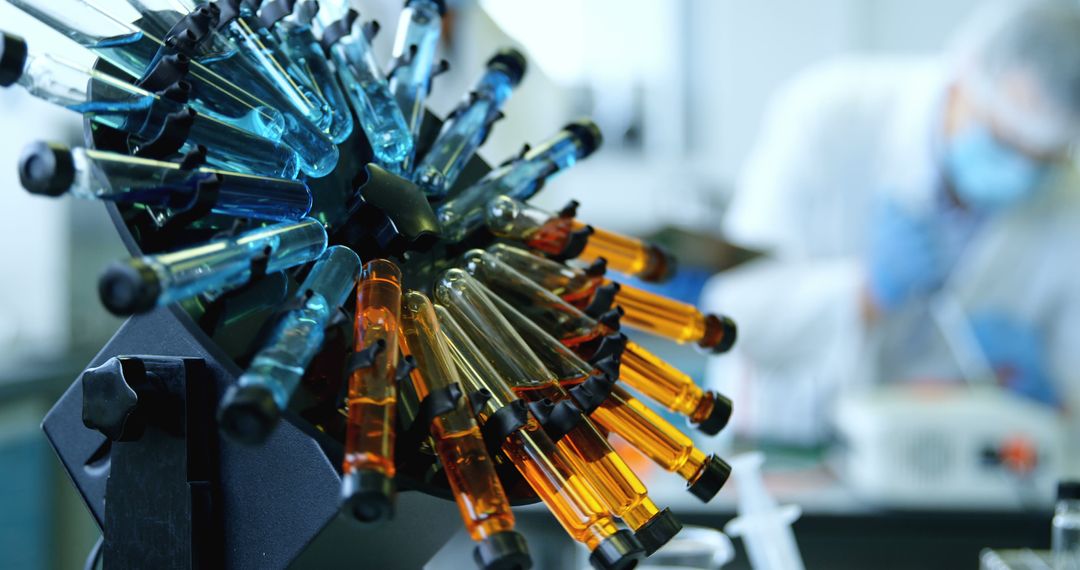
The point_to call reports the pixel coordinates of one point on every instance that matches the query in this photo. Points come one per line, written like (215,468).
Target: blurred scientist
(888,193)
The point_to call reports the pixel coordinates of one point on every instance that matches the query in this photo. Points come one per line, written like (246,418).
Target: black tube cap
(46,168)
(718,418)
(503,551)
(713,475)
(720,334)
(367,496)
(658,531)
(662,266)
(440,4)
(620,551)
(129,287)
(13,54)
(588,133)
(510,61)
(248,414)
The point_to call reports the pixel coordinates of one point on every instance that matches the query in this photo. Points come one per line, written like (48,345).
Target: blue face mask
(987,174)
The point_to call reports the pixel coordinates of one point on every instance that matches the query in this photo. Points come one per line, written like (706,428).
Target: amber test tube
(546,468)
(624,415)
(641,370)
(555,234)
(644,311)
(368,469)
(616,484)
(460,445)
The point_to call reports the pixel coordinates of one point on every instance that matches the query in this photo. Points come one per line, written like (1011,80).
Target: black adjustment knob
(114,397)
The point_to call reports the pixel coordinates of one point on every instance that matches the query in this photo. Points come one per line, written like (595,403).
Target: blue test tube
(250,408)
(378,112)
(299,43)
(414,53)
(467,126)
(519,179)
(139,284)
(53,169)
(222,82)
(123,106)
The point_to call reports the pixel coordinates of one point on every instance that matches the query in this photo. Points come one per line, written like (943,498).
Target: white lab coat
(838,135)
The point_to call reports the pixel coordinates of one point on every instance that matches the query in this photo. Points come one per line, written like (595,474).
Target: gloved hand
(903,260)
(1015,351)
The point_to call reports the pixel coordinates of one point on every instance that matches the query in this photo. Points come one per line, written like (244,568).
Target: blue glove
(1015,350)
(903,258)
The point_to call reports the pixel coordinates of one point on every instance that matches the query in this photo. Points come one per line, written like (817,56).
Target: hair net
(1020,61)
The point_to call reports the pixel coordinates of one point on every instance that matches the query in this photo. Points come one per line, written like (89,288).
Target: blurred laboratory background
(894,476)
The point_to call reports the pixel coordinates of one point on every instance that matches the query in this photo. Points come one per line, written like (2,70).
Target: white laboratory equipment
(949,446)
(764,526)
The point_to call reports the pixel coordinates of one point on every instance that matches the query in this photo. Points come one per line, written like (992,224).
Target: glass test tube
(139,284)
(459,443)
(133,50)
(222,83)
(53,169)
(378,112)
(245,35)
(414,51)
(641,369)
(123,106)
(367,480)
(251,408)
(618,487)
(551,233)
(520,179)
(468,126)
(644,311)
(547,469)
(622,414)
(299,43)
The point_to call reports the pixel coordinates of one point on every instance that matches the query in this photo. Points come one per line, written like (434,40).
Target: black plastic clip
(612,345)
(598,268)
(609,364)
(525,148)
(168,71)
(402,60)
(436,70)
(370,29)
(364,358)
(259,265)
(439,402)
(171,137)
(575,244)
(603,299)
(478,399)
(405,367)
(593,392)
(333,33)
(194,158)
(505,421)
(611,318)
(489,123)
(226,11)
(202,201)
(193,29)
(275,11)
(178,92)
(557,418)
(569,210)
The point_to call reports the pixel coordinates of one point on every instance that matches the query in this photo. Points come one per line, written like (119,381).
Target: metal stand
(168,493)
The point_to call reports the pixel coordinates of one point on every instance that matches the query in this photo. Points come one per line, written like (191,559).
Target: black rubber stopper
(47,168)
(719,417)
(367,496)
(720,334)
(12,58)
(662,266)
(510,61)
(588,133)
(248,414)
(440,4)
(713,475)
(129,287)
(503,551)
(620,551)
(658,531)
